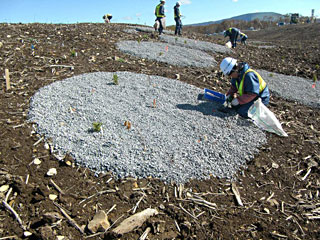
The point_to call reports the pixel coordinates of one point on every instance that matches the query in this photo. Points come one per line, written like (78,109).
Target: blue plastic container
(214,96)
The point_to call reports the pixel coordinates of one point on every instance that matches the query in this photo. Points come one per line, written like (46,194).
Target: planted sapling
(96,126)
(115,79)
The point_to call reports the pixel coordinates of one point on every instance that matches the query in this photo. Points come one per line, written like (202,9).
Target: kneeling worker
(107,18)
(246,86)
(243,38)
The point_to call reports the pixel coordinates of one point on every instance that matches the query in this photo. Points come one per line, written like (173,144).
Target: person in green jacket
(159,12)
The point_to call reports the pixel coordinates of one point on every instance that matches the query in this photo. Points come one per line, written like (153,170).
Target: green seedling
(96,126)
(160,53)
(271,75)
(315,77)
(115,79)
(73,53)
(146,37)
(185,41)
(139,40)
(121,60)
(317,67)
(176,39)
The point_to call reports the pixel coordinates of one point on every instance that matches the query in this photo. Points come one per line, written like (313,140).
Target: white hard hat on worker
(227,65)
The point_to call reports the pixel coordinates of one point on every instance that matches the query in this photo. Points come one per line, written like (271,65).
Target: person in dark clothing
(246,86)
(243,38)
(177,18)
(233,34)
(159,12)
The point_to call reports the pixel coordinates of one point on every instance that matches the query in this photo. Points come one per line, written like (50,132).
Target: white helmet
(227,65)
(178,3)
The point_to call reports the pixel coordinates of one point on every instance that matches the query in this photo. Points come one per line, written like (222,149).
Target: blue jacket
(251,84)
(176,12)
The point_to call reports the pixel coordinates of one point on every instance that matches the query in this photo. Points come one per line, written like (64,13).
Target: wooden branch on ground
(7,79)
(15,214)
(56,187)
(71,221)
(236,193)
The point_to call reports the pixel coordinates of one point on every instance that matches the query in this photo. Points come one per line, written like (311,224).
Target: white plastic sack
(228,44)
(265,119)
(156,25)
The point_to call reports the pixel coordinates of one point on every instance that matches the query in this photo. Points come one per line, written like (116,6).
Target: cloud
(127,18)
(138,14)
(185,2)
(234,0)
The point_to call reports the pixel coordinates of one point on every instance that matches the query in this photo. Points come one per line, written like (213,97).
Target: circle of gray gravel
(293,88)
(195,44)
(167,53)
(173,137)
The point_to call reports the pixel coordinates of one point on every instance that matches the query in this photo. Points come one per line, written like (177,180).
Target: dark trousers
(178,26)
(233,39)
(159,19)
(242,110)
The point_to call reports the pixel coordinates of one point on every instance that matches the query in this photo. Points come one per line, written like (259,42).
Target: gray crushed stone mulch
(173,136)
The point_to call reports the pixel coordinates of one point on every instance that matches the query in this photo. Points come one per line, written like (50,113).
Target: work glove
(229,98)
(235,102)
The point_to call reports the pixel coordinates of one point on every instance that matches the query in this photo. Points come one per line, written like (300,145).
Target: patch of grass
(121,60)
(115,79)
(96,126)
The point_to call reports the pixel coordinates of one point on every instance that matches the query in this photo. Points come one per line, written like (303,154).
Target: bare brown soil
(279,188)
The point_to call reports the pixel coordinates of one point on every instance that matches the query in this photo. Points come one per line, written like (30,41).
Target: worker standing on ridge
(233,33)
(159,12)
(107,18)
(243,38)
(177,18)
(246,86)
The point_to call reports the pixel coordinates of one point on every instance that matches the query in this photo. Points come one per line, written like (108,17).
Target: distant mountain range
(266,16)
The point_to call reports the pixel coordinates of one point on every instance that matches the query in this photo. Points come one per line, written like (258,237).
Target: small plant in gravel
(271,75)
(160,53)
(73,53)
(146,37)
(315,77)
(176,39)
(96,126)
(139,40)
(185,41)
(121,60)
(317,67)
(115,79)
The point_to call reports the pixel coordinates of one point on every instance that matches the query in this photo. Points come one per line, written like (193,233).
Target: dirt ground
(279,189)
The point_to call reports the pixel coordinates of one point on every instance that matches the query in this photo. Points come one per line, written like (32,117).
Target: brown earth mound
(279,190)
